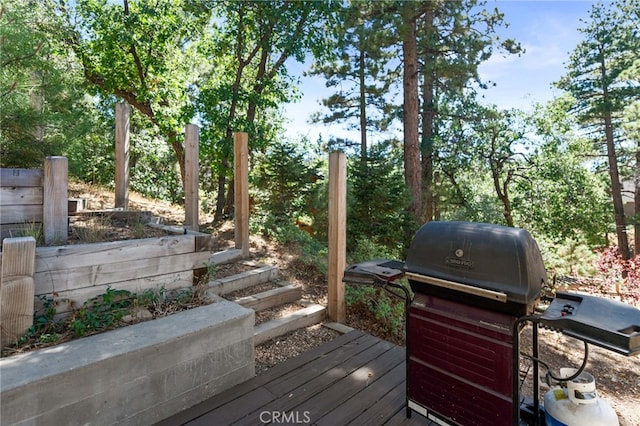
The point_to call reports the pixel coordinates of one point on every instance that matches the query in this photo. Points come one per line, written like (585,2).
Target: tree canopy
(403,73)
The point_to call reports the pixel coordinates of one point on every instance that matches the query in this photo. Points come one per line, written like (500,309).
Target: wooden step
(243,280)
(225,256)
(310,315)
(270,298)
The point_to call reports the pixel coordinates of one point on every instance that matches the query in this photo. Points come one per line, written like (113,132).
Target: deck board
(353,379)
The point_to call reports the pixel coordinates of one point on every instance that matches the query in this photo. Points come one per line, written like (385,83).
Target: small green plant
(387,310)
(44,328)
(139,228)
(31,229)
(212,270)
(102,312)
(93,230)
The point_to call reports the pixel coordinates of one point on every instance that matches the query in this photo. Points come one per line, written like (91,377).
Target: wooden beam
(122,155)
(25,214)
(20,196)
(111,274)
(21,177)
(337,235)
(55,208)
(16,288)
(19,256)
(241,190)
(191,177)
(98,255)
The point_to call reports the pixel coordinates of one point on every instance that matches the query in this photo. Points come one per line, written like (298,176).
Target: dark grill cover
(505,261)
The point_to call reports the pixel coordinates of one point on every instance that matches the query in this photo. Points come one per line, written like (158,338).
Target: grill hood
(491,266)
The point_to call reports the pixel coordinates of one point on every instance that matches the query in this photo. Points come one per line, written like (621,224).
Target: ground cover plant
(112,309)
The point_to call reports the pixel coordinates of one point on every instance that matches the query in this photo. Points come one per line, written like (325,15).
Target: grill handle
(463,288)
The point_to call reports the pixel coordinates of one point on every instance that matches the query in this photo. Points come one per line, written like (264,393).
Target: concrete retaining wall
(135,375)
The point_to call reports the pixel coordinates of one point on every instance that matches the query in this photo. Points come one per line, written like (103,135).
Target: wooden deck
(353,379)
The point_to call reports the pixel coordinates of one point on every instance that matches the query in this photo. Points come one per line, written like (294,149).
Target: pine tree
(360,72)
(596,80)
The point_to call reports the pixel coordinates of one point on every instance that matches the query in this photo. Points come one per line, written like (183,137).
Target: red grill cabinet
(460,362)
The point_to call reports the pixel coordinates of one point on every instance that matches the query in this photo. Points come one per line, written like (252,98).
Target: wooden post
(337,234)
(191,177)
(55,208)
(16,288)
(122,156)
(241,190)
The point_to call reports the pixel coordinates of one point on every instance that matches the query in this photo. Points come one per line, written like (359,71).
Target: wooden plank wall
(21,200)
(75,273)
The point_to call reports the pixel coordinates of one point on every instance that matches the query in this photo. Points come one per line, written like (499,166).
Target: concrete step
(310,315)
(259,275)
(284,293)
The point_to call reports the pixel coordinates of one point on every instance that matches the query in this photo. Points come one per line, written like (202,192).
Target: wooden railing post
(122,156)
(337,235)
(191,177)
(16,288)
(55,208)
(241,190)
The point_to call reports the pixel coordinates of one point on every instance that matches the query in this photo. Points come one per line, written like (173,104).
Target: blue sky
(547,29)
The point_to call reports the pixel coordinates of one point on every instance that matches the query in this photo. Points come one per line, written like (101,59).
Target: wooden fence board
(12,195)
(21,177)
(113,273)
(20,214)
(81,255)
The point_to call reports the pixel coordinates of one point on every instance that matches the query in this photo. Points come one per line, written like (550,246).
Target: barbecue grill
(475,288)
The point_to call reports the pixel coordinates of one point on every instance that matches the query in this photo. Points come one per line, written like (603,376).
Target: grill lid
(482,261)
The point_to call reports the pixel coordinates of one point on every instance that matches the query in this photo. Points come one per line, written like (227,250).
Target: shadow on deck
(353,379)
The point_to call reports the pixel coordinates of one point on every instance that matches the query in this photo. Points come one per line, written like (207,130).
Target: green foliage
(568,257)
(599,79)
(32,229)
(386,309)
(561,197)
(312,252)
(360,71)
(284,177)
(101,312)
(42,99)
(44,325)
(597,72)
(378,199)
(246,79)
(153,170)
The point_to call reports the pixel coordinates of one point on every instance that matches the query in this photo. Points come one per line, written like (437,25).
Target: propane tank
(578,403)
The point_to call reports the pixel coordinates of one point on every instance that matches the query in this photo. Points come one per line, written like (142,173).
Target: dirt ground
(617,376)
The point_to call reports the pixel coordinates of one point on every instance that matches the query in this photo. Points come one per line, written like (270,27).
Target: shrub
(618,276)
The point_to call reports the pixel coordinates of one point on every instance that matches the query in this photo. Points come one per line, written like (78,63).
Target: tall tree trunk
(363,107)
(616,190)
(178,148)
(412,168)
(428,114)
(616,187)
(636,223)
(503,193)
(36,99)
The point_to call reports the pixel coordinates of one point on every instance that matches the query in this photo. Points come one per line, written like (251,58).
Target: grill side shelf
(373,272)
(603,322)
